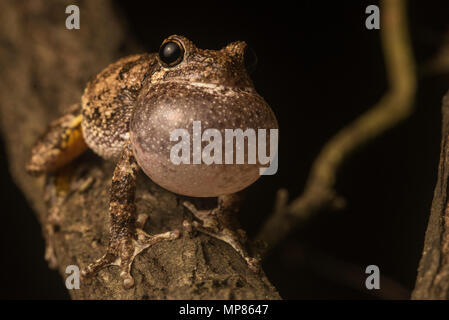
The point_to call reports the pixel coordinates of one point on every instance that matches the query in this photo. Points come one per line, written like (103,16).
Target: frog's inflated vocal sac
(127,113)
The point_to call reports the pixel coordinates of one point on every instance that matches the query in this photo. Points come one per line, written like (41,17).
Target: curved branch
(394,106)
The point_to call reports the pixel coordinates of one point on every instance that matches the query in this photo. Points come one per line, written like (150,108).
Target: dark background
(319,68)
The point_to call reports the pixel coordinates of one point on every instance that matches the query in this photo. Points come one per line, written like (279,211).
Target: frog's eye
(171,53)
(249,59)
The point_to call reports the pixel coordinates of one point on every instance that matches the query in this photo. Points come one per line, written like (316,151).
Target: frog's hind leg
(126,241)
(57,188)
(61,143)
(221,223)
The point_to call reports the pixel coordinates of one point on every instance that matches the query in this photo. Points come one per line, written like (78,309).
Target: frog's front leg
(126,241)
(221,223)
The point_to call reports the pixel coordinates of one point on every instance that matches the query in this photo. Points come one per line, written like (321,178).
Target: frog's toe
(144,240)
(106,260)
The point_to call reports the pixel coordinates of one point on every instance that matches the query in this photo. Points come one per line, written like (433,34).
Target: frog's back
(108,103)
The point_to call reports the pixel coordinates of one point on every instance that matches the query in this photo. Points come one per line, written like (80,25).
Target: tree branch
(433,272)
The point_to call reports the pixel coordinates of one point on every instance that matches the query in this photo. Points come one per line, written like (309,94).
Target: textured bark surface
(43,69)
(433,273)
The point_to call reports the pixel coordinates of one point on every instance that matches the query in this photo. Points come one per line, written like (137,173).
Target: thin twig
(394,106)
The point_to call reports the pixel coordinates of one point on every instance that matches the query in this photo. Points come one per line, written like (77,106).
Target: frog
(126,114)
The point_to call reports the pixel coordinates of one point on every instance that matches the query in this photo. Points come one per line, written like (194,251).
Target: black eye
(171,53)
(250,59)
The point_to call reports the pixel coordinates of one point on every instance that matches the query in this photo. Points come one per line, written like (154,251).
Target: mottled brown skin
(109,105)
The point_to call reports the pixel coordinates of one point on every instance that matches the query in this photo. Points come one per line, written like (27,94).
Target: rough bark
(433,273)
(43,69)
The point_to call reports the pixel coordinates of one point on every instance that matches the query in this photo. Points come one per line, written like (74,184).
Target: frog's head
(186,85)
(180,60)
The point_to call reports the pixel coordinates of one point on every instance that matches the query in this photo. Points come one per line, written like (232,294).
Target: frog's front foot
(219,223)
(122,251)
